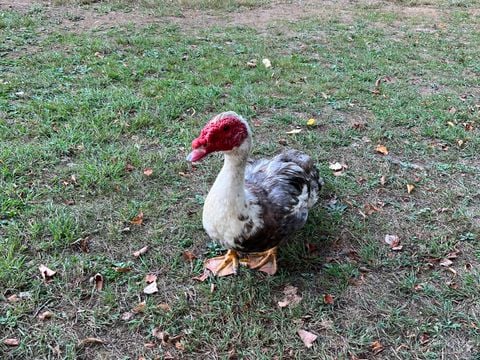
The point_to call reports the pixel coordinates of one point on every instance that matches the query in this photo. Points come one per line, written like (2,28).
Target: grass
(83,112)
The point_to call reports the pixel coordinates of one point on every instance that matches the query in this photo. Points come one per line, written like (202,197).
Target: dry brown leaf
(148,172)
(160,335)
(446,262)
(138,219)
(151,288)
(252,63)
(13,298)
(369,209)
(410,188)
(188,256)
(291,297)
(123,269)
(294,131)
(45,315)
(129,167)
(127,316)
(307,337)
(164,306)
(382,149)
(424,338)
(179,346)
(383,180)
(98,280)
(91,341)
(311,248)
(11,342)
(140,252)
(394,242)
(139,308)
(328,299)
(335,166)
(376,347)
(149,278)
(47,273)
(338,168)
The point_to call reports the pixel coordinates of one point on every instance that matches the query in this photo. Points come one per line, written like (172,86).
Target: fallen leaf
(252,63)
(168,356)
(45,315)
(394,242)
(451,124)
(149,278)
(335,166)
(151,288)
(138,219)
(452,254)
(376,347)
(147,172)
(129,167)
(307,337)
(267,63)
(160,335)
(98,280)
(123,269)
(383,180)
(11,342)
(468,126)
(139,308)
(382,149)
(311,122)
(188,256)
(164,306)
(328,299)
(150,345)
(69,202)
(291,297)
(369,209)
(311,248)
(13,298)
(410,188)
(446,262)
(127,316)
(424,338)
(140,252)
(294,131)
(91,341)
(47,273)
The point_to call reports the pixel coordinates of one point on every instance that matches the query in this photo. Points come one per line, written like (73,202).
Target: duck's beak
(197,154)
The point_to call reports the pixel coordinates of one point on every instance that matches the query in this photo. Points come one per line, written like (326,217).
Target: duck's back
(285,187)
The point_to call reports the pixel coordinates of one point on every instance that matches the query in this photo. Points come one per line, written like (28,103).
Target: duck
(253,206)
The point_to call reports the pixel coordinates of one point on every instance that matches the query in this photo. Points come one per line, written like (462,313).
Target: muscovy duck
(253,205)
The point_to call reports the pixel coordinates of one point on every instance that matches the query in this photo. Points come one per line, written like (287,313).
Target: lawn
(99,102)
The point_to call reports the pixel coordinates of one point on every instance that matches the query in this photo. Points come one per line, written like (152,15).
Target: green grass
(77,106)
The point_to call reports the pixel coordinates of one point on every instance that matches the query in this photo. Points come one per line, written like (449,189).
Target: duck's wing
(285,187)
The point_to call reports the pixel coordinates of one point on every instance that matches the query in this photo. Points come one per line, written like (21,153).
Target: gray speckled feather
(285,187)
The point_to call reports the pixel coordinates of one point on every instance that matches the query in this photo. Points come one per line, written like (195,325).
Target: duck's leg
(265,261)
(223,265)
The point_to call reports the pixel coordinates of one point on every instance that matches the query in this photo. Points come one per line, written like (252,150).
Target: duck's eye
(226,128)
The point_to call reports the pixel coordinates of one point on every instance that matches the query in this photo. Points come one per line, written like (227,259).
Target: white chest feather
(228,212)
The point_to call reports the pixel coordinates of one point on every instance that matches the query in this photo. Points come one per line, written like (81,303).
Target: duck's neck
(228,191)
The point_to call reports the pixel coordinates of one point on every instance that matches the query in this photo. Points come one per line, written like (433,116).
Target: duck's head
(225,132)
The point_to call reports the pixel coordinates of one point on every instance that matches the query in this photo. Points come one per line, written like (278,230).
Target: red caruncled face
(221,135)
